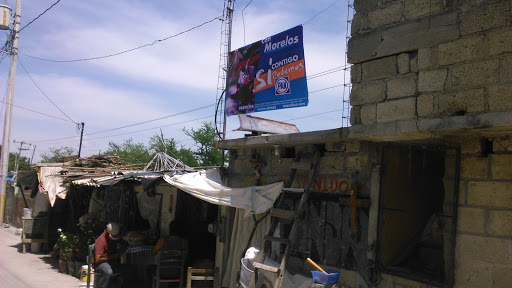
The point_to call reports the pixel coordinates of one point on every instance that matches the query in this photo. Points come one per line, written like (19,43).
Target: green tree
(169,146)
(57,154)
(24,164)
(134,153)
(204,137)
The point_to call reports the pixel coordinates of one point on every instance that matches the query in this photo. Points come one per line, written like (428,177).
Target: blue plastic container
(322,278)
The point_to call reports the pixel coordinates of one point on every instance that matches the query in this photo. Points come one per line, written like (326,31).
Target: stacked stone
(417,59)
(484,226)
(445,67)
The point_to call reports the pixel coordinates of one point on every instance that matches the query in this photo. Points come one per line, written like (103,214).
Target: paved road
(28,270)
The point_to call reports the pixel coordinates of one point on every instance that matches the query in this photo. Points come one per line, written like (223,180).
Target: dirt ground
(28,270)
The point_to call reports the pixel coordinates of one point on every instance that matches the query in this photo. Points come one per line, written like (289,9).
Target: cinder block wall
(483,256)
(429,59)
(350,161)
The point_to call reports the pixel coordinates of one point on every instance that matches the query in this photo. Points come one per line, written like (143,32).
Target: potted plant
(86,234)
(65,246)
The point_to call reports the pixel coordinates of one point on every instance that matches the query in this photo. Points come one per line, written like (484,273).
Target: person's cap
(114,231)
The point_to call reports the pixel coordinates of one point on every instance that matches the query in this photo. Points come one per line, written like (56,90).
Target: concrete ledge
(499,123)
(489,122)
(424,128)
(322,136)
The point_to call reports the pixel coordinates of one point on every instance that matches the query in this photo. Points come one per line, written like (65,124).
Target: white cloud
(172,76)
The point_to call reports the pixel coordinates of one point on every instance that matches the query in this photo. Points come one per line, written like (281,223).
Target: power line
(314,16)
(40,90)
(153,120)
(243,20)
(161,118)
(326,88)
(312,115)
(135,124)
(125,51)
(57,139)
(142,130)
(40,15)
(132,132)
(33,111)
(327,72)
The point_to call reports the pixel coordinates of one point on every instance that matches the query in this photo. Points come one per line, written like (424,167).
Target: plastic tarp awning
(52,182)
(206,186)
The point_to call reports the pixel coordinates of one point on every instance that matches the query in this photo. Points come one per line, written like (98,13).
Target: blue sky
(170,77)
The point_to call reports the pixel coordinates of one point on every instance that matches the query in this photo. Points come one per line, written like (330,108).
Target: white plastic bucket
(245,273)
(27,213)
(83,276)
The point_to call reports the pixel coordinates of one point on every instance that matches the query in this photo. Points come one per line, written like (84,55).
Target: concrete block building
(430,146)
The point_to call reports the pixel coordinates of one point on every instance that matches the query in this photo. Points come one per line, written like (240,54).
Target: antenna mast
(225,47)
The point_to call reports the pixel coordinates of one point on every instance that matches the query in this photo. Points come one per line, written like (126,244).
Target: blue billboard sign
(268,75)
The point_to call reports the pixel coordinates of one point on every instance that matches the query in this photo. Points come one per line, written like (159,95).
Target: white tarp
(52,182)
(206,186)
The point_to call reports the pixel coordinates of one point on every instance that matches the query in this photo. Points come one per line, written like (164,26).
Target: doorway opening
(191,223)
(417,213)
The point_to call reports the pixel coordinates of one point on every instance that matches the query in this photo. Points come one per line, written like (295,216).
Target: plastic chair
(171,258)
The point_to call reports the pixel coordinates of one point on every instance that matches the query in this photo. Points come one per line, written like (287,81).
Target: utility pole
(81,136)
(4,161)
(33,152)
(18,157)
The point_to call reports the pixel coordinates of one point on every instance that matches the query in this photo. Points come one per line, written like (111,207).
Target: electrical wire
(243,20)
(217,112)
(39,15)
(132,132)
(125,51)
(42,92)
(6,48)
(314,16)
(5,96)
(326,88)
(135,124)
(327,72)
(147,129)
(153,120)
(33,111)
(312,115)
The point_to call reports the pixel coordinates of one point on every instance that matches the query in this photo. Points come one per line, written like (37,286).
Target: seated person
(106,257)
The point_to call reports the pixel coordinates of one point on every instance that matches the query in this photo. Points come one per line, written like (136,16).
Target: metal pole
(33,152)
(230,26)
(4,161)
(230,10)
(17,161)
(18,158)
(81,136)
(163,141)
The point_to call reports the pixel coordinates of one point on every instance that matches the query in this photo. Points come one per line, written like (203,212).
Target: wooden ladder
(290,215)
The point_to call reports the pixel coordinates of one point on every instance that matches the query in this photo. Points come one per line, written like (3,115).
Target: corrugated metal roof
(107,180)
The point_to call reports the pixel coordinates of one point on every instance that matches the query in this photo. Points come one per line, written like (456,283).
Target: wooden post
(354,204)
